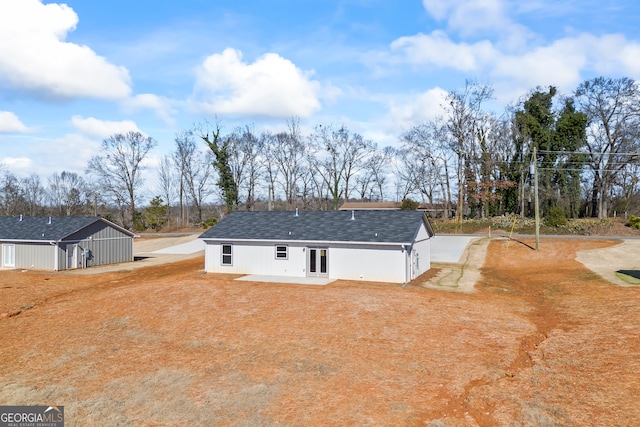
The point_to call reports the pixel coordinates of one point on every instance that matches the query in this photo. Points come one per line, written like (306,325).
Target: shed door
(72,256)
(318,262)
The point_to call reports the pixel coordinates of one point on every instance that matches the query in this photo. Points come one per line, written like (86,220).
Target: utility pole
(534,164)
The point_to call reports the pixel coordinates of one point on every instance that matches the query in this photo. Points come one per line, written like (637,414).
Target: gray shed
(62,243)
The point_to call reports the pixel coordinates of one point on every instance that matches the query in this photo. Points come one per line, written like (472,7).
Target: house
(373,245)
(62,243)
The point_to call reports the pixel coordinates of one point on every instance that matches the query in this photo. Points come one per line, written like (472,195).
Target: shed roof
(372,226)
(38,228)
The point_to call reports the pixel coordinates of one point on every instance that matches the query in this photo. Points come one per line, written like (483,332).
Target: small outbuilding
(63,243)
(373,245)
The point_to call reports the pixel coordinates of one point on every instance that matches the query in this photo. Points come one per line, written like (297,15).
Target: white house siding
(367,262)
(350,262)
(257,258)
(421,254)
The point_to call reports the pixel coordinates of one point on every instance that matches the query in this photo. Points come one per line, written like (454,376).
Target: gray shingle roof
(38,228)
(332,226)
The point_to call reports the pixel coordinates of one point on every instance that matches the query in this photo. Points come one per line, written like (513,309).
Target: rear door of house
(318,262)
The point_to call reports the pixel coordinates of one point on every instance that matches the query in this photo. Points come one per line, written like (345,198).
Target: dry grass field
(541,341)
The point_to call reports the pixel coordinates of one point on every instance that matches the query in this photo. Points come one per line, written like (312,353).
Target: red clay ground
(542,342)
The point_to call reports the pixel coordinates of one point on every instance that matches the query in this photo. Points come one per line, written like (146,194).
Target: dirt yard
(540,341)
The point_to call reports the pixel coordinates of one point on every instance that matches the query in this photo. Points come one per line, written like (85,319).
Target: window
(226,255)
(282,252)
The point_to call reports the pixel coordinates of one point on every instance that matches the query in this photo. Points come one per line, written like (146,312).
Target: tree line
(468,162)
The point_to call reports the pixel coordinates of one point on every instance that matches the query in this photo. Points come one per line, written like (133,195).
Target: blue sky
(74,73)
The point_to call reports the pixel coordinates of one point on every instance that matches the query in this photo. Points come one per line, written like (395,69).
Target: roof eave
(308,242)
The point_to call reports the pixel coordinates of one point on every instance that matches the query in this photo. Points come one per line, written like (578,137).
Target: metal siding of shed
(107,244)
(34,255)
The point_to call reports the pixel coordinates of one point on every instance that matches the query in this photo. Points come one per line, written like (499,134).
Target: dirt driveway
(541,340)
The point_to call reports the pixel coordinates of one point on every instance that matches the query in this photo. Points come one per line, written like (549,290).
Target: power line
(588,153)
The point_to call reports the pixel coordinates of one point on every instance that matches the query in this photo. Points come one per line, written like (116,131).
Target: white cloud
(558,64)
(612,54)
(473,17)
(17,165)
(103,128)
(160,105)
(35,57)
(424,107)
(439,50)
(271,86)
(9,123)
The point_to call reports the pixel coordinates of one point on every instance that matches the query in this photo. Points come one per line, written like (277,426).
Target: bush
(634,222)
(409,205)
(209,223)
(556,217)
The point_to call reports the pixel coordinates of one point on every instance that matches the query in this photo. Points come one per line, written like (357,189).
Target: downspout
(406,255)
(55,255)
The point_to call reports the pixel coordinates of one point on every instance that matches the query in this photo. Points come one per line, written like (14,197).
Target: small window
(227,258)
(282,252)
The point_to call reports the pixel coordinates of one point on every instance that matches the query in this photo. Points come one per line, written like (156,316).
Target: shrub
(409,205)
(209,223)
(634,222)
(556,217)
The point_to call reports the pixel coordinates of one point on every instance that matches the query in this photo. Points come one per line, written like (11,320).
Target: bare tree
(373,175)
(11,195)
(269,165)
(288,151)
(118,170)
(337,155)
(462,111)
(195,169)
(613,132)
(245,149)
(34,194)
(168,182)
(252,148)
(406,170)
(67,193)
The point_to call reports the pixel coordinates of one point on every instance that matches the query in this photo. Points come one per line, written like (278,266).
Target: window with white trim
(282,252)
(226,254)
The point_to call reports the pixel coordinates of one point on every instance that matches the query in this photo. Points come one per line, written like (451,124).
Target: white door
(72,256)
(318,262)
(8,255)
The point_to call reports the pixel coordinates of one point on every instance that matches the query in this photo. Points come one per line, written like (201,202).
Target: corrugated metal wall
(102,243)
(35,255)
(106,245)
